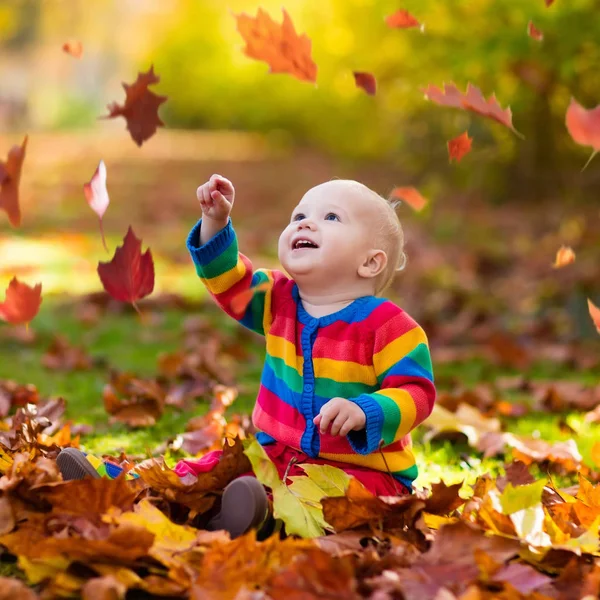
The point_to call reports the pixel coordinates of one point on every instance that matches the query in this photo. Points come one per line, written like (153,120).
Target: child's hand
(216,198)
(343,416)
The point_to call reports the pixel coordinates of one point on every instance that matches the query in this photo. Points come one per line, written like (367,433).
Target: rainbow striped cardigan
(370,352)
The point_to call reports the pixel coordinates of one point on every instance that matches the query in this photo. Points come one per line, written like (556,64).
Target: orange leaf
(141,107)
(595,314)
(366,81)
(411,196)
(402,19)
(549,2)
(73,47)
(534,33)
(564,256)
(596,453)
(472,100)
(10,176)
(240,301)
(22,302)
(584,126)
(129,276)
(459,146)
(278,45)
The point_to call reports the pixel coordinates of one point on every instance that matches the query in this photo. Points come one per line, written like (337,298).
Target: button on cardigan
(370,352)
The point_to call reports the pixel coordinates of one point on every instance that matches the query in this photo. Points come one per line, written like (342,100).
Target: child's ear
(374,263)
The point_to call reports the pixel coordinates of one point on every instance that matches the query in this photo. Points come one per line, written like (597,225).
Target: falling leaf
(10,176)
(141,107)
(402,19)
(278,45)
(411,196)
(366,81)
(459,146)
(583,126)
(472,100)
(564,256)
(549,2)
(22,302)
(73,47)
(96,195)
(240,301)
(129,276)
(595,314)
(533,32)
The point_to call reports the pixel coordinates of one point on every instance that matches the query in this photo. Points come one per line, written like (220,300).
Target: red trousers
(377,482)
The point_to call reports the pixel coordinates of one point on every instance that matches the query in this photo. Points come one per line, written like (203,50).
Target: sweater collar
(345,313)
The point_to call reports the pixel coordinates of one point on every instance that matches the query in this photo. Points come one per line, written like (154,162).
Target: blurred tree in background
(197,52)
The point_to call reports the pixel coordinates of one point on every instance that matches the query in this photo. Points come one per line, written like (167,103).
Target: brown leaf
(61,355)
(459,146)
(443,499)
(366,81)
(278,45)
(14,589)
(472,100)
(198,493)
(7,519)
(517,473)
(141,107)
(22,302)
(104,588)
(10,176)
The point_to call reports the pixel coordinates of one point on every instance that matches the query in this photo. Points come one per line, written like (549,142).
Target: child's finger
(219,198)
(325,421)
(338,423)
(346,428)
(317,420)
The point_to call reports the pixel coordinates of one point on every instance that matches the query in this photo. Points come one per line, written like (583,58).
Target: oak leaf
(129,276)
(459,146)
(22,302)
(366,81)
(472,100)
(141,107)
(278,45)
(583,126)
(10,176)
(564,256)
(96,195)
(411,196)
(402,19)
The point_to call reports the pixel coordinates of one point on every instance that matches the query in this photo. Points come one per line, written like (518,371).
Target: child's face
(342,222)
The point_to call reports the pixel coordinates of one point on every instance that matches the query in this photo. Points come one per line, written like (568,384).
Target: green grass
(126,342)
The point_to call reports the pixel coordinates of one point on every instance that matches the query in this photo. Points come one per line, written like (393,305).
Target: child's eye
(298,217)
(331,215)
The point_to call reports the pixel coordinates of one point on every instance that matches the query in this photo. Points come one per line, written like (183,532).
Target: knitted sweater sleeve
(229,277)
(407,393)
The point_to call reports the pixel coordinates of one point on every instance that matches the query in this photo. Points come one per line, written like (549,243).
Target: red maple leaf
(366,81)
(472,100)
(10,175)
(459,146)
(584,126)
(141,107)
(402,19)
(129,276)
(22,302)
(278,45)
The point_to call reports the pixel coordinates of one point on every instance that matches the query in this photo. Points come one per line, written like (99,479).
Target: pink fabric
(377,482)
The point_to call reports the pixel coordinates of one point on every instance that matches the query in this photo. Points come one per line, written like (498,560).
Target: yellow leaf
(262,466)
(517,498)
(333,481)
(564,256)
(435,521)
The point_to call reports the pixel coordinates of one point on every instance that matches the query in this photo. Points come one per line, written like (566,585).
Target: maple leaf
(73,47)
(584,126)
(473,100)
(129,276)
(22,302)
(278,45)
(411,196)
(595,314)
(141,107)
(459,146)
(10,176)
(402,19)
(366,81)
(534,33)
(564,256)
(96,195)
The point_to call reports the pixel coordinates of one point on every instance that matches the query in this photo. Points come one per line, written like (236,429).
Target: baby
(347,374)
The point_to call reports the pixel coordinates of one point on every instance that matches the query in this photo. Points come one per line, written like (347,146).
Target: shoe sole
(74,465)
(244,506)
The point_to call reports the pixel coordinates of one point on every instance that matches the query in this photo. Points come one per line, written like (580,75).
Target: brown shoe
(244,506)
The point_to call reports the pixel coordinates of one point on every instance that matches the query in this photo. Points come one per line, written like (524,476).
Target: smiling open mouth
(303,244)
